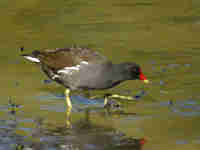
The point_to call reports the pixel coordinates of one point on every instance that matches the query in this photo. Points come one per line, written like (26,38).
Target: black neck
(120,73)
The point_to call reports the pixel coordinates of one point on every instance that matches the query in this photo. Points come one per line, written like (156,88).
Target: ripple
(47,81)
(180,142)
(54,108)
(187,65)
(186,114)
(173,65)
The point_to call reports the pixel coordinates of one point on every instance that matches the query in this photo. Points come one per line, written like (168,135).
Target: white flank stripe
(69,70)
(72,68)
(64,71)
(32,59)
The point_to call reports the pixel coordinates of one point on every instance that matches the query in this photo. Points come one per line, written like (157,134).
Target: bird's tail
(33,57)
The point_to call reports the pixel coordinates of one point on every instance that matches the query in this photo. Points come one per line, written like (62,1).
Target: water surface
(162,36)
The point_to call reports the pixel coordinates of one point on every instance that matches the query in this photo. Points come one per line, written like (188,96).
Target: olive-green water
(162,36)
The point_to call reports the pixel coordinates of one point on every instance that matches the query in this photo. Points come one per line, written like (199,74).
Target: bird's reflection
(92,131)
(86,134)
(68,118)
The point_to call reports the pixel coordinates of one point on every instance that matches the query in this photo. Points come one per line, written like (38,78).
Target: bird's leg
(69,108)
(106,104)
(68,101)
(114,96)
(105,101)
(110,104)
(122,97)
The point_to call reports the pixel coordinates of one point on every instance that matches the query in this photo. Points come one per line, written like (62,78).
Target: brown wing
(67,57)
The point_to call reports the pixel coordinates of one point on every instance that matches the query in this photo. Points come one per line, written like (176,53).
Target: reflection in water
(84,135)
(13,108)
(46,81)
(68,117)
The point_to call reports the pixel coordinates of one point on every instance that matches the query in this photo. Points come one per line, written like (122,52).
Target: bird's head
(135,72)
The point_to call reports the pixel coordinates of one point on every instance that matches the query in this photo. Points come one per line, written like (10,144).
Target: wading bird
(83,69)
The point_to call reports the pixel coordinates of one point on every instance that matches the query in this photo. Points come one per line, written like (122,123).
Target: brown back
(67,57)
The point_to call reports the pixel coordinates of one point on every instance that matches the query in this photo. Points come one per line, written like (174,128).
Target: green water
(162,36)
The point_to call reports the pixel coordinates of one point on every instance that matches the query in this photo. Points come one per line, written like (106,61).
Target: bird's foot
(122,97)
(110,103)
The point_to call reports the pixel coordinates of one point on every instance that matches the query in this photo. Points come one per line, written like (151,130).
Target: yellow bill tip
(146,81)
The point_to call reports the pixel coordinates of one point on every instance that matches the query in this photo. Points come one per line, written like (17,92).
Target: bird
(78,68)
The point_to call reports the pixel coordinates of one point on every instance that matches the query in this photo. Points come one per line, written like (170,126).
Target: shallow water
(162,36)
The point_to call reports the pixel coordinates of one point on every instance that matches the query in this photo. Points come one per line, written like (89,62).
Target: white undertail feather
(84,62)
(55,76)
(33,59)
